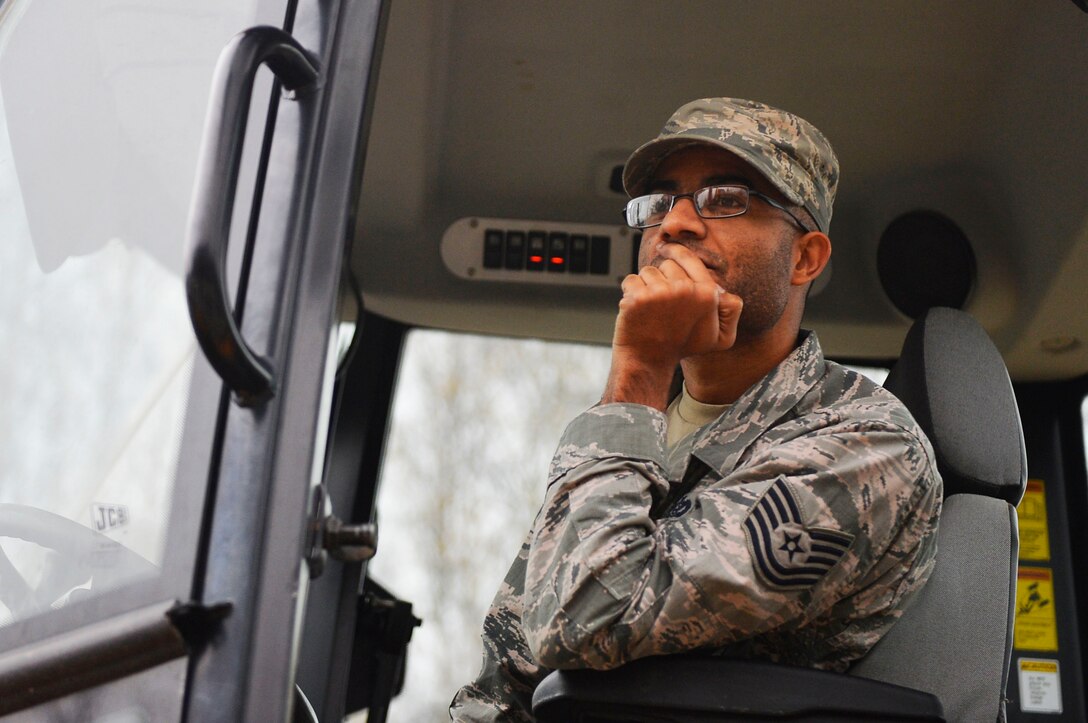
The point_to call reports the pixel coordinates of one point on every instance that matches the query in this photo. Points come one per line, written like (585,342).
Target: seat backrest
(955,640)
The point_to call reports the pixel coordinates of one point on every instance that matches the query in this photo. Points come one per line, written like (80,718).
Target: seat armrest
(701,688)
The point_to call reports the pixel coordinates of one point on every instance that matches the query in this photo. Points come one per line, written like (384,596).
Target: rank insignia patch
(785,552)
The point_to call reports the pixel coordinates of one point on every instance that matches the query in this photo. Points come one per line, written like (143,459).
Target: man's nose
(682,220)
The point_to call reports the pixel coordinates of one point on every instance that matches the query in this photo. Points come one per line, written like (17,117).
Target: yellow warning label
(1036,625)
(1038,666)
(1034,536)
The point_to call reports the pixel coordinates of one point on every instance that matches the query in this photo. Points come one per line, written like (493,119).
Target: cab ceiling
(520,110)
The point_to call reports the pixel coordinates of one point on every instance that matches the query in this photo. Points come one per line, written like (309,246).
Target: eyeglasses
(710,202)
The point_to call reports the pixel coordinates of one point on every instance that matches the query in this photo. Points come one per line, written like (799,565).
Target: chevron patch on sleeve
(786,553)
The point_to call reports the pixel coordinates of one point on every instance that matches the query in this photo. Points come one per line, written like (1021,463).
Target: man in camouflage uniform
(782,507)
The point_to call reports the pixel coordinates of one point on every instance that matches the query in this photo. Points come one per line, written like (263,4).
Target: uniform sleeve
(771,546)
(503,690)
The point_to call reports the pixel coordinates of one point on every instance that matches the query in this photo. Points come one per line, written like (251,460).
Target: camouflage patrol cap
(789,151)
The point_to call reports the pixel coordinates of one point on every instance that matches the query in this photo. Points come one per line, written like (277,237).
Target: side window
(475,423)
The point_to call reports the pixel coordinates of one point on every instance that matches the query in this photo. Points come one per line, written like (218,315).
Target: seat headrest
(953,380)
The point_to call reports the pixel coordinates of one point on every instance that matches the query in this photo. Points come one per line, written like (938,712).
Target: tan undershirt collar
(687,414)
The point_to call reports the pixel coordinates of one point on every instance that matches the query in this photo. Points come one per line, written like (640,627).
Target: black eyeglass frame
(676,196)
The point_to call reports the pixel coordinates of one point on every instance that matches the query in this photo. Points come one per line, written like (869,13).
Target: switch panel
(517,250)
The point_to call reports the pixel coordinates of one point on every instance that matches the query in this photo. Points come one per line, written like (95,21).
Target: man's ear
(811,253)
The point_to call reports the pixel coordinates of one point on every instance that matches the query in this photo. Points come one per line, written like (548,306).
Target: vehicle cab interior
(305,293)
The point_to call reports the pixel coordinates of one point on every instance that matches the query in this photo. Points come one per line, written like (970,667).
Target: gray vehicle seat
(955,640)
(948,656)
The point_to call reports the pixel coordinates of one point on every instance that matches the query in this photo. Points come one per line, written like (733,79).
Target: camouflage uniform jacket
(794,528)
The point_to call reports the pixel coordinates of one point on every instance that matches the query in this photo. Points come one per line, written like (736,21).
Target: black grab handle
(247,374)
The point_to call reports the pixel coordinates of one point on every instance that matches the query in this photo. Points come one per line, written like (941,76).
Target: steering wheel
(83,555)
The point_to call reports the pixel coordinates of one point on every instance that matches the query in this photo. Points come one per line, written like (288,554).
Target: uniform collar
(723,442)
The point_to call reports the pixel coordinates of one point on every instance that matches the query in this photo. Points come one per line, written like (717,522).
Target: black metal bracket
(197,622)
(383,629)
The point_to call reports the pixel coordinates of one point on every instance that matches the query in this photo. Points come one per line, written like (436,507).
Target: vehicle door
(175,184)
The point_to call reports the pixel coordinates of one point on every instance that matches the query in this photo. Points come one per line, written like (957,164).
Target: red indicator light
(557,260)
(536,259)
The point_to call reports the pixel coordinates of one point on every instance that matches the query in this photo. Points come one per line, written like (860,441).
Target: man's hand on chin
(668,312)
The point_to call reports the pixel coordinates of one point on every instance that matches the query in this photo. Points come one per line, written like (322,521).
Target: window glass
(475,423)
(102,108)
